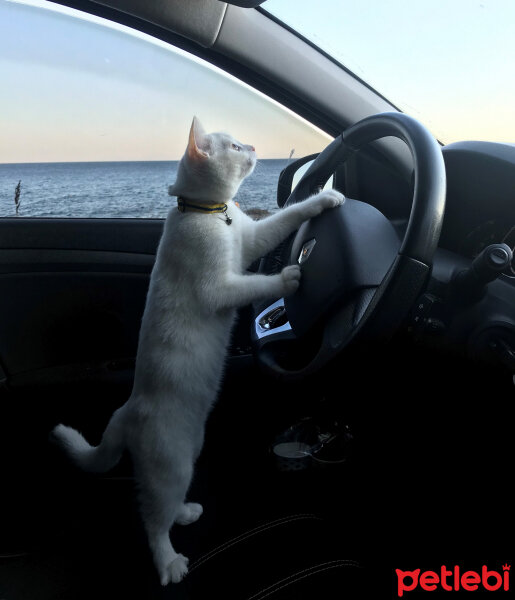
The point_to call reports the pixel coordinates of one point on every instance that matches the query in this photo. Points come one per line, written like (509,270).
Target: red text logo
(453,580)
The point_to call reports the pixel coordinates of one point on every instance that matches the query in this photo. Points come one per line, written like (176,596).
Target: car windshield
(450,64)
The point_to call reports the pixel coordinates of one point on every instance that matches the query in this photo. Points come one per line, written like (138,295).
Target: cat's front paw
(291,279)
(330,199)
(189,513)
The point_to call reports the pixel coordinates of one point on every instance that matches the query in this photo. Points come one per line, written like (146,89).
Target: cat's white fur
(198,282)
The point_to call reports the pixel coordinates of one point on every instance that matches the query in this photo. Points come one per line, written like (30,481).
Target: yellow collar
(183,204)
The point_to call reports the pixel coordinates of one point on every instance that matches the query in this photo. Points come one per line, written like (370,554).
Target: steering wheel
(358,277)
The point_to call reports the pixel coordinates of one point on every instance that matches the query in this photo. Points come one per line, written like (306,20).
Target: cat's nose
(252,148)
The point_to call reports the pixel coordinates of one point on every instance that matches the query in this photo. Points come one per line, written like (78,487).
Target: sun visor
(197,20)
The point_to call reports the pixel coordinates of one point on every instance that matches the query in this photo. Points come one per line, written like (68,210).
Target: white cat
(197,283)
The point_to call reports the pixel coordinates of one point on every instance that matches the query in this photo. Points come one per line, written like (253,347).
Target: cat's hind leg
(161,503)
(170,565)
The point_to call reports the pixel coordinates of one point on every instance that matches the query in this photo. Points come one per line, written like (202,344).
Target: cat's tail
(95,459)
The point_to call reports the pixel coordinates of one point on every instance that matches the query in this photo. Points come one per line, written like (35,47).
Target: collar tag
(228,219)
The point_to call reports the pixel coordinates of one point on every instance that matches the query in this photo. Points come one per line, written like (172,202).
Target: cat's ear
(198,142)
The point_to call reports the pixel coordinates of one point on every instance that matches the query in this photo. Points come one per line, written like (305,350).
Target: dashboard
(480,206)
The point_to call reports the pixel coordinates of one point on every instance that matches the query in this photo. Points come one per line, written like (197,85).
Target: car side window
(95,117)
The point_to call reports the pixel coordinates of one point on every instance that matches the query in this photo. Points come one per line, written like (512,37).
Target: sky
(81,90)
(449,63)
(76,90)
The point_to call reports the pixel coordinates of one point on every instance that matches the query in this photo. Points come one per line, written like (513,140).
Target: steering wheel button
(306,250)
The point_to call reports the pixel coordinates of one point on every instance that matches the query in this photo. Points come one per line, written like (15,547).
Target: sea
(114,189)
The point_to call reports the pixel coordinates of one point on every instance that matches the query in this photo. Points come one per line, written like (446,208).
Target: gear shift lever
(470,285)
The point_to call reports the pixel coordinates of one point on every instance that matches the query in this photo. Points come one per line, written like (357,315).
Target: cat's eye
(236,147)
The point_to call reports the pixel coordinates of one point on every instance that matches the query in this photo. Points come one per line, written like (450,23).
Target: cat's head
(213,166)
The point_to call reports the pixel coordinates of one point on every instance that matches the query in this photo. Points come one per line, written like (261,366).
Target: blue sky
(77,90)
(450,63)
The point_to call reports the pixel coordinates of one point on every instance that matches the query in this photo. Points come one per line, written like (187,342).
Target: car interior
(396,361)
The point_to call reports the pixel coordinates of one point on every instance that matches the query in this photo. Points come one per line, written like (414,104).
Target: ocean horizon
(114,189)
